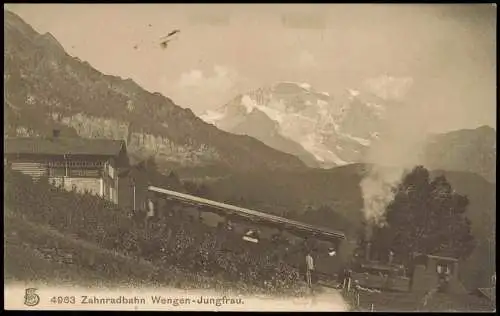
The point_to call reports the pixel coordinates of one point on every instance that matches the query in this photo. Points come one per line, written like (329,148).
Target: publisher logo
(31,298)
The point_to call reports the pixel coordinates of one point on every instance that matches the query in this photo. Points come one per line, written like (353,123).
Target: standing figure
(149,213)
(391,257)
(346,284)
(309,268)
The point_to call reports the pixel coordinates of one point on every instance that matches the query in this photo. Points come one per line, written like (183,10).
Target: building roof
(381,266)
(63,146)
(446,258)
(248,212)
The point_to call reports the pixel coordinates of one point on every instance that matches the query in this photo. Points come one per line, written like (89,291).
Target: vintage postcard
(250,157)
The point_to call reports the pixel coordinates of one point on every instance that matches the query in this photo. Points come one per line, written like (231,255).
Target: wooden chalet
(74,163)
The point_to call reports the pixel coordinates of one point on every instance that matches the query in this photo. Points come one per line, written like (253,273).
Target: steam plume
(398,149)
(377,188)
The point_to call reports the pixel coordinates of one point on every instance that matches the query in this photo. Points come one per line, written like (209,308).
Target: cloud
(191,78)
(219,79)
(307,60)
(201,89)
(388,87)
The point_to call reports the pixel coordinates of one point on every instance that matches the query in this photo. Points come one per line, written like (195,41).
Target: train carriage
(259,229)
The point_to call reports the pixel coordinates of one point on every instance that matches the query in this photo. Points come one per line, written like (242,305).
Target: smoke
(378,191)
(389,88)
(398,149)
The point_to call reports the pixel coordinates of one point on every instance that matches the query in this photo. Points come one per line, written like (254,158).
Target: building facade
(132,191)
(83,165)
(432,272)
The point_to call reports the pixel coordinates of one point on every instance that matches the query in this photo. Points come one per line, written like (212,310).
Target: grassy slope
(25,242)
(92,265)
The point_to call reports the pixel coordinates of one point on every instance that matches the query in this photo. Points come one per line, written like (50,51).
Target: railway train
(328,247)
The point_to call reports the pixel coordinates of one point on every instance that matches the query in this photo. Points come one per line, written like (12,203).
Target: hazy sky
(446,52)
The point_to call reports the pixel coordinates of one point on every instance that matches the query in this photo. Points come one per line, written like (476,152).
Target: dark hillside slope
(280,192)
(337,192)
(467,150)
(45,87)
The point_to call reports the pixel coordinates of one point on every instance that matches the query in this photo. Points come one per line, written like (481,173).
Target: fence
(352,294)
(352,297)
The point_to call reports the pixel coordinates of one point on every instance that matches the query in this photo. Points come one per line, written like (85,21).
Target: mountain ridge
(43,83)
(472,150)
(326,127)
(326,131)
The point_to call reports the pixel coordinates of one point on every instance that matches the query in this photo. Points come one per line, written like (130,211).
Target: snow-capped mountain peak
(325,131)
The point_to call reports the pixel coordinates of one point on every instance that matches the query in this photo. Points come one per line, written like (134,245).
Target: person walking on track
(346,284)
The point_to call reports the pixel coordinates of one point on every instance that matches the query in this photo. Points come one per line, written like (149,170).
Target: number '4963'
(63,300)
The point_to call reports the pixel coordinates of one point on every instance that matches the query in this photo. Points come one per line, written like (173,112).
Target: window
(57,172)
(84,173)
(56,164)
(251,236)
(443,268)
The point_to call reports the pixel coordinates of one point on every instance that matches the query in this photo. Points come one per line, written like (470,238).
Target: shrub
(192,246)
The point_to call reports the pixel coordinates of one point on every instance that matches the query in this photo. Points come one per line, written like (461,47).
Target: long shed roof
(248,212)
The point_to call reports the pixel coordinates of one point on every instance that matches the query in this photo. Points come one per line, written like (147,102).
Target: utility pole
(450,229)
(133,189)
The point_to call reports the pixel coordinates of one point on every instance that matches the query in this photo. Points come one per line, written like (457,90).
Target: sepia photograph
(250,157)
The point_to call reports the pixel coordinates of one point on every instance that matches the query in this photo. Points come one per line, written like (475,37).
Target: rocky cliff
(45,88)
